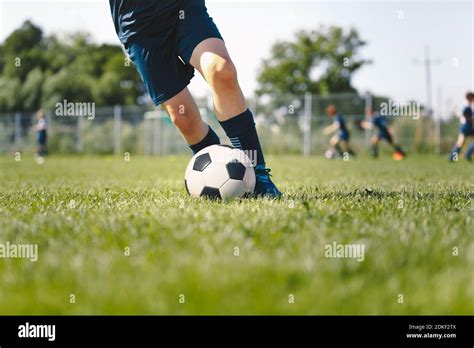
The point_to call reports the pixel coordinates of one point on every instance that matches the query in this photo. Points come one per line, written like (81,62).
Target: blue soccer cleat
(264,187)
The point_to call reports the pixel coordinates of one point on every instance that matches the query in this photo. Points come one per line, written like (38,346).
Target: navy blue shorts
(466,129)
(344,136)
(163,62)
(384,134)
(41,137)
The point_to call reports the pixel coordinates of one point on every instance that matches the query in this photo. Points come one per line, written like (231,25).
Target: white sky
(250,28)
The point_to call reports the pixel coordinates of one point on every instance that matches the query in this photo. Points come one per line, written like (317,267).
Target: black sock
(210,139)
(375,150)
(398,148)
(243,135)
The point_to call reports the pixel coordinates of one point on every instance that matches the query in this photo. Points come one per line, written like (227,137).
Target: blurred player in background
(466,130)
(380,123)
(339,141)
(41,135)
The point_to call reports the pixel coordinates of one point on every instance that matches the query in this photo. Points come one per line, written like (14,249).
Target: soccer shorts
(344,135)
(466,129)
(163,62)
(385,134)
(41,137)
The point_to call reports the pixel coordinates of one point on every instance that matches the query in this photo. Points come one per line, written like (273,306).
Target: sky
(397,33)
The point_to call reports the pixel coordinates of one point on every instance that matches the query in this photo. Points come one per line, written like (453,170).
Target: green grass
(409,215)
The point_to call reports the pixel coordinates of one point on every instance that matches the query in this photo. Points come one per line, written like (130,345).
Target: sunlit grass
(85,214)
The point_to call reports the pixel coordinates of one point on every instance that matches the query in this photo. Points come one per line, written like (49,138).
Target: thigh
(194,28)
(469,131)
(209,51)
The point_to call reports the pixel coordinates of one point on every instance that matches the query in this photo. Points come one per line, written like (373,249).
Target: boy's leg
(347,147)
(211,59)
(454,155)
(469,151)
(334,141)
(185,115)
(395,147)
(375,146)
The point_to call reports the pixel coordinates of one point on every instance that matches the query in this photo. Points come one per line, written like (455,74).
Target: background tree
(38,70)
(319,61)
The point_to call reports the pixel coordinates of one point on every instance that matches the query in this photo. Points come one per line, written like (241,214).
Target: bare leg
(347,147)
(212,60)
(375,145)
(335,141)
(185,115)
(460,141)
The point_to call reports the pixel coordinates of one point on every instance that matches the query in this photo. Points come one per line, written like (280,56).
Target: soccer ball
(397,156)
(220,172)
(329,154)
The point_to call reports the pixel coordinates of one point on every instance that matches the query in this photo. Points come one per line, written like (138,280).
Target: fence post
(368,109)
(439,114)
(308,110)
(117,125)
(80,131)
(49,120)
(157,136)
(17,131)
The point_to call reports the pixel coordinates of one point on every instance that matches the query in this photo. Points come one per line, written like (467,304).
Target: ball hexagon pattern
(220,172)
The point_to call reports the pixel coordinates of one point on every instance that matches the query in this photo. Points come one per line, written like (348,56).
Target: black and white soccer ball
(329,154)
(220,172)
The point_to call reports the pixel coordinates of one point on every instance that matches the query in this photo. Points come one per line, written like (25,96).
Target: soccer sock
(375,150)
(398,148)
(454,152)
(243,135)
(339,150)
(456,149)
(211,138)
(470,151)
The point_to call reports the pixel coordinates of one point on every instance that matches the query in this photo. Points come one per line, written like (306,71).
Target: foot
(401,152)
(264,187)
(453,156)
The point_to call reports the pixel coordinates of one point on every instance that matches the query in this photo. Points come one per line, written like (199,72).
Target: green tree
(319,61)
(38,70)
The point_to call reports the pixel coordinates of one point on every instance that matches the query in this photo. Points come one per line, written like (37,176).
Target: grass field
(85,212)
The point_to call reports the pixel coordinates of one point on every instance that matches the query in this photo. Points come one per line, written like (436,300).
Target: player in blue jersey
(339,141)
(380,124)
(167,41)
(41,134)
(466,130)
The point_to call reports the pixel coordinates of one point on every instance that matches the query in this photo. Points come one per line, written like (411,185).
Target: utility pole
(439,115)
(427,64)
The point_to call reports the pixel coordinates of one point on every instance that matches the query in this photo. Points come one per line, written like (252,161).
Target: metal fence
(293,124)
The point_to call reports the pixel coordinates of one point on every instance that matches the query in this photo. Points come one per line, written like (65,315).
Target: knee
(221,72)
(181,120)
